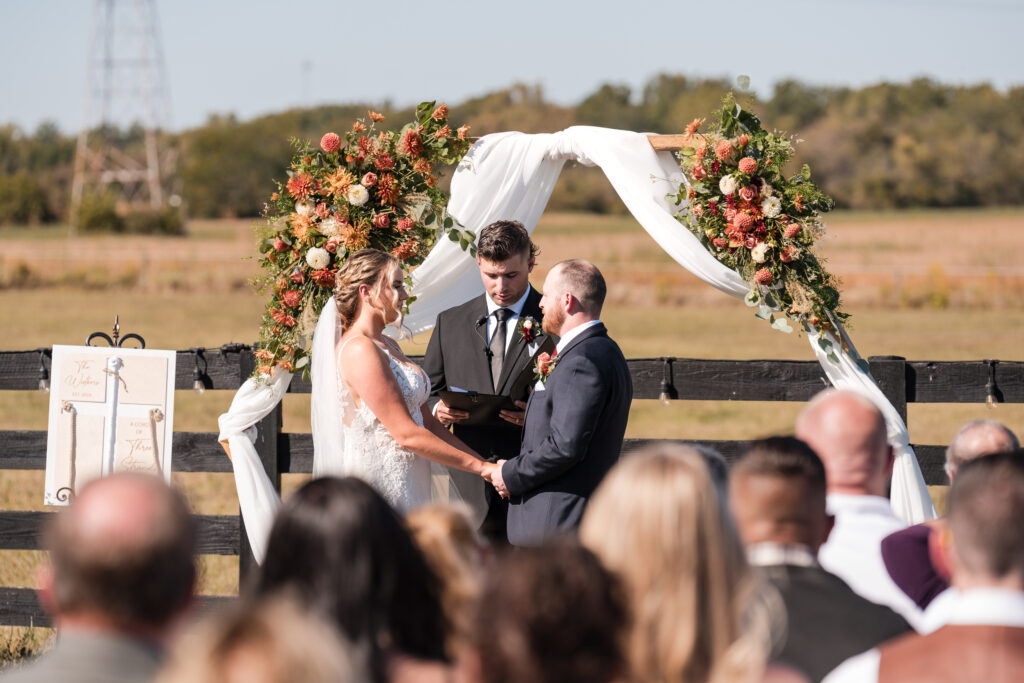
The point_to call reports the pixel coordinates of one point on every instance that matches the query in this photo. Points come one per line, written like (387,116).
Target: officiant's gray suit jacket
(572,437)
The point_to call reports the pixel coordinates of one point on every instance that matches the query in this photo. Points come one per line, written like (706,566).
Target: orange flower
(374,116)
(443,132)
(405,249)
(286,365)
(292,298)
(792,230)
(282,318)
(274,196)
(692,127)
(263,354)
(744,139)
(430,180)
(387,189)
(358,127)
(405,225)
(339,181)
(440,113)
(383,162)
(302,227)
(356,237)
(300,186)
(763,277)
(743,221)
(410,144)
(422,166)
(462,132)
(798,202)
(701,153)
(748,165)
(323,277)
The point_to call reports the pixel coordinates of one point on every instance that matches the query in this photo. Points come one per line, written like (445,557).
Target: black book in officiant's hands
(485,409)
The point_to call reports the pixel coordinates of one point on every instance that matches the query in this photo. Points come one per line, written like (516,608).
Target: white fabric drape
(511,176)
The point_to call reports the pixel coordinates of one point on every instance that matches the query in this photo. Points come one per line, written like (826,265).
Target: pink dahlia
(743,221)
(330,143)
(748,165)
(792,230)
(405,225)
(720,242)
(763,277)
(723,150)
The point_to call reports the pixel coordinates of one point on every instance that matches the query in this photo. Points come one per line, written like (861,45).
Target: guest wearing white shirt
(983,639)
(848,433)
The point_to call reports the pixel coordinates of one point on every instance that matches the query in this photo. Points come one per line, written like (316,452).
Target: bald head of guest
(848,433)
(121,557)
(985,544)
(777,494)
(975,439)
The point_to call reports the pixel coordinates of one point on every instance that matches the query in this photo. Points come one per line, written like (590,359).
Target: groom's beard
(552,321)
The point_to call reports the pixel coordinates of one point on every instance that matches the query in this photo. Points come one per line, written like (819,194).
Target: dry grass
(180,293)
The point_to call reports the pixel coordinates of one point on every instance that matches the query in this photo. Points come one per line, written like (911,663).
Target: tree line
(884,146)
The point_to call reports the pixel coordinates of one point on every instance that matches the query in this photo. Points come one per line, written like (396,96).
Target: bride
(369,401)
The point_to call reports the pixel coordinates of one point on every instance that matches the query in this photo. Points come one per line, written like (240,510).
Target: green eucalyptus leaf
(763,312)
(833,357)
(302,362)
(782,325)
(864,366)
(825,344)
(453,236)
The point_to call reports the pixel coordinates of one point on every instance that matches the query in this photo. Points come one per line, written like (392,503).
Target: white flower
(759,252)
(771,207)
(728,185)
(766,189)
(329,227)
(357,195)
(317,258)
(304,207)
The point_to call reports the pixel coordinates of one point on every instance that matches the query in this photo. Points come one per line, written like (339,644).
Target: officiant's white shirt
(513,321)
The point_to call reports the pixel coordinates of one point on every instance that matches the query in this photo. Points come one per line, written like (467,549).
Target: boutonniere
(546,362)
(528,327)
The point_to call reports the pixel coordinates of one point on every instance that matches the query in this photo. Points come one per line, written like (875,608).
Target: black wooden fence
(225,368)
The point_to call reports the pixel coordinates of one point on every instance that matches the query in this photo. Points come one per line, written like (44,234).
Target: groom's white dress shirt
(853,551)
(978,607)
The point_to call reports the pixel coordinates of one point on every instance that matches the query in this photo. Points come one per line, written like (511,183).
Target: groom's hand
(516,417)
(446,415)
(497,481)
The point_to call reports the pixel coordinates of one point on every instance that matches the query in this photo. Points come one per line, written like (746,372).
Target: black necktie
(497,345)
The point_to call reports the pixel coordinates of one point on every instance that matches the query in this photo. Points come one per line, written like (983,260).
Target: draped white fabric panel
(511,176)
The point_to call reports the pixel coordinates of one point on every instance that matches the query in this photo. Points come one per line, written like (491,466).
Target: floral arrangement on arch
(759,222)
(371,188)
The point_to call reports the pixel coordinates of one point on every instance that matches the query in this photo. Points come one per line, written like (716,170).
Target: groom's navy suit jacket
(572,437)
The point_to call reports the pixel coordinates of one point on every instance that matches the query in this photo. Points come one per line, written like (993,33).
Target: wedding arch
(511,175)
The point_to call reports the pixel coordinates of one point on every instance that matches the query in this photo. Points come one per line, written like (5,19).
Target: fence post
(267,431)
(890,372)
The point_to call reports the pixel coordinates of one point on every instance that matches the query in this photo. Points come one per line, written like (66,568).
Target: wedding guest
(121,571)
(906,552)
(848,433)
(548,614)
(342,552)
(698,613)
(455,552)
(267,641)
(778,501)
(983,639)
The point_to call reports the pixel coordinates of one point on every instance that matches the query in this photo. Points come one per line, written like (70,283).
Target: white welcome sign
(111,410)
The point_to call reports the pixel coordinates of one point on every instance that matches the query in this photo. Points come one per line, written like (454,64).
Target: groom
(480,346)
(576,415)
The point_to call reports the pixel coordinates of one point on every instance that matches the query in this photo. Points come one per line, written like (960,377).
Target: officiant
(488,345)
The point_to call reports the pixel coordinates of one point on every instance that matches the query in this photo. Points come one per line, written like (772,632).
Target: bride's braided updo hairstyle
(373,268)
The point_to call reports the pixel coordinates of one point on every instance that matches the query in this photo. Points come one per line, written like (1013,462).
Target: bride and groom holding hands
(546,458)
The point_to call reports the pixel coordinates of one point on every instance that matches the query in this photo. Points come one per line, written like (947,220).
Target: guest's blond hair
(657,521)
(269,641)
(454,550)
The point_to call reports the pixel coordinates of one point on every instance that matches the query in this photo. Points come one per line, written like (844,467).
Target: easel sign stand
(111,410)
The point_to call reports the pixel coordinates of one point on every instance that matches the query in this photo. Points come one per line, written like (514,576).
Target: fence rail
(226,367)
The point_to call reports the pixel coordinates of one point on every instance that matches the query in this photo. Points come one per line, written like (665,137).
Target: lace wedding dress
(349,440)
(371,452)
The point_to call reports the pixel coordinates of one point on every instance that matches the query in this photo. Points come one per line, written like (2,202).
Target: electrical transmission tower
(126,110)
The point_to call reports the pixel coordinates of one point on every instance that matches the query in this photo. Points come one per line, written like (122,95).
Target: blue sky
(248,57)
